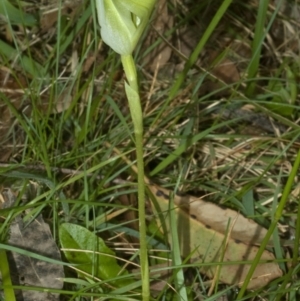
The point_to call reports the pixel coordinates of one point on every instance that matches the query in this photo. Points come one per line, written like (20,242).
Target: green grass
(191,143)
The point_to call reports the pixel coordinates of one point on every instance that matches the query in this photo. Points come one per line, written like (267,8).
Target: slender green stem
(142,220)
(6,280)
(260,33)
(257,44)
(137,118)
(277,217)
(131,75)
(288,277)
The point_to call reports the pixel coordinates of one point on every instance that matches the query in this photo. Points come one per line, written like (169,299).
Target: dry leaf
(202,234)
(163,21)
(216,217)
(37,238)
(49,16)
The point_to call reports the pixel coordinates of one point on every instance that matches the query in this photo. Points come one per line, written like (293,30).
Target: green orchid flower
(122,22)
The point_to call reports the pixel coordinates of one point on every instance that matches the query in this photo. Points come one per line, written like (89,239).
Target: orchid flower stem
(132,93)
(130,72)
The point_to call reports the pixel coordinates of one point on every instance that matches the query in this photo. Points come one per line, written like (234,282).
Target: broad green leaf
(16,15)
(27,63)
(202,229)
(90,254)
